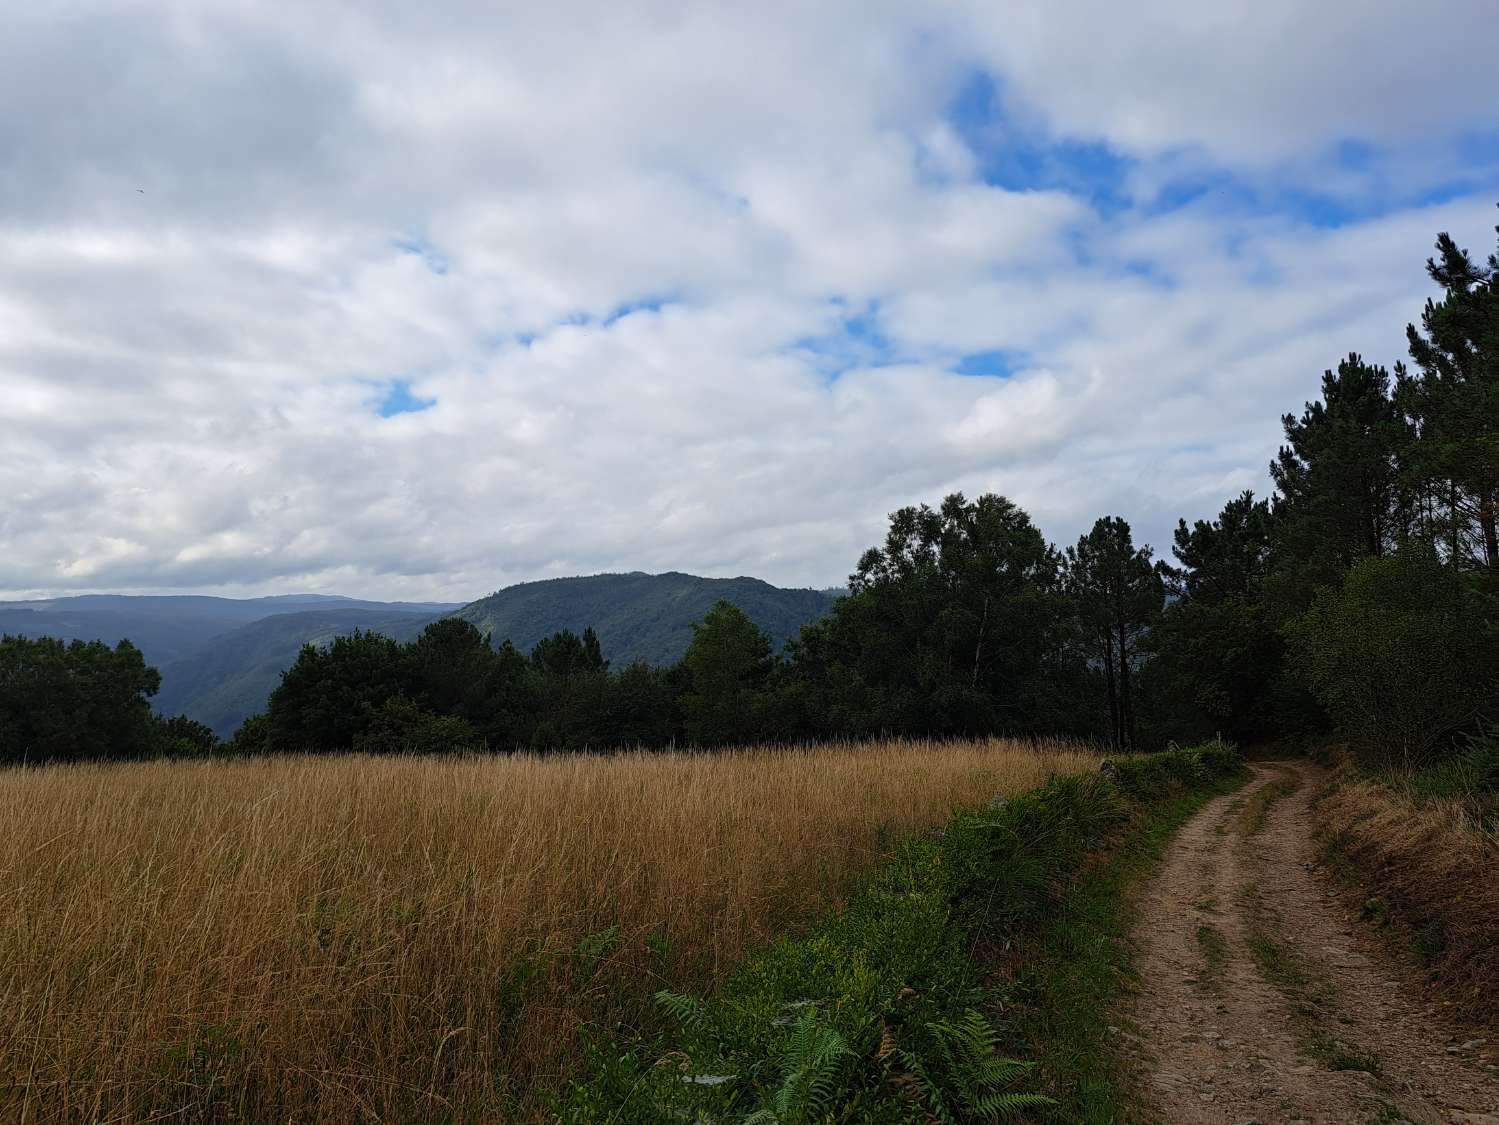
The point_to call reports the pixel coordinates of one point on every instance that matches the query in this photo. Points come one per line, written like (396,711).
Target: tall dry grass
(357,938)
(1433,870)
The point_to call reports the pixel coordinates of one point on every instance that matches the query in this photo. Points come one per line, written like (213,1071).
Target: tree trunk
(1486,520)
(1108,664)
(978,648)
(1126,708)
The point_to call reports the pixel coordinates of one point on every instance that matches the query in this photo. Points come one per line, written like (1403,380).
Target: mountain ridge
(220,658)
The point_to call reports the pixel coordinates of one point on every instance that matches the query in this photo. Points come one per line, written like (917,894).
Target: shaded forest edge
(1361,598)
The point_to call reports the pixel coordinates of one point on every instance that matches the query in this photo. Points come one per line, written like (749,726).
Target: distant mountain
(169,628)
(639,616)
(209,670)
(231,677)
(220,658)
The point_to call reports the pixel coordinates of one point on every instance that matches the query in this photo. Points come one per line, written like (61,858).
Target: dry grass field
(375,939)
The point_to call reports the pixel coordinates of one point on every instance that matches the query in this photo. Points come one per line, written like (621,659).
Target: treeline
(70,701)
(1362,596)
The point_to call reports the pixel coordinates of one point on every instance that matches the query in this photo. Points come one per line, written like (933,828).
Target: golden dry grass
(1435,870)
(355,938)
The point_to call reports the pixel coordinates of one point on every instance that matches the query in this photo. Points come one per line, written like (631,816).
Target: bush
(402,727)
(1400,655)
(181,737)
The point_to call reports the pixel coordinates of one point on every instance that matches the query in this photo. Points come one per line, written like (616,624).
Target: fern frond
(688,1011)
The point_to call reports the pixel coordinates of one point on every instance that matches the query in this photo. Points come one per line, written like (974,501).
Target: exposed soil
(1264,999)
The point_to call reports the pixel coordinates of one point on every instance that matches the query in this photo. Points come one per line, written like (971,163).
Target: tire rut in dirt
(1259,1001)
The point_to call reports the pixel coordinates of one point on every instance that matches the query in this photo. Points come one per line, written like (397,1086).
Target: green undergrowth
(900,1007)
(1075,969)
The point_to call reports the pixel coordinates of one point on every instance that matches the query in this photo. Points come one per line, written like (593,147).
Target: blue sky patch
(398,399)
(643,304)
(986,363)
(1018,159)
(859,340)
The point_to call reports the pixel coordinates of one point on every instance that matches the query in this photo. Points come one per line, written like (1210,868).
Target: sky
(418,300)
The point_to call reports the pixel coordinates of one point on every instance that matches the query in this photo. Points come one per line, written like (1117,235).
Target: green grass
(1214,950)
(1309,994)
(1078,969)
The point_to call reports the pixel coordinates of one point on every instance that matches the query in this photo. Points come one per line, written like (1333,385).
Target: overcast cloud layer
(421,299)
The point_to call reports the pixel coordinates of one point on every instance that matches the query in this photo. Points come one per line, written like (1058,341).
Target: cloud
(682,286)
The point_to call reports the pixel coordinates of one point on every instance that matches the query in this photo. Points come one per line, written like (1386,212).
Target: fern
(962,1071)
(811,1065)
(687,1011)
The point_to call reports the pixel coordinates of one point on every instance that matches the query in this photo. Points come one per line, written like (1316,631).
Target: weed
(1309,994)
(1251,820)
(1214,950)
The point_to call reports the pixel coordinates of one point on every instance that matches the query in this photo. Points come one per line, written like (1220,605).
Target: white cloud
(619,247)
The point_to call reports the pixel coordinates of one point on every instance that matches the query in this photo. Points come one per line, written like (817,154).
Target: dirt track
(1264,1000)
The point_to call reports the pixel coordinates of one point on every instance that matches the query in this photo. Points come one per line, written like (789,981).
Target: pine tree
(1118,593)
(1338,478)
(1453,405)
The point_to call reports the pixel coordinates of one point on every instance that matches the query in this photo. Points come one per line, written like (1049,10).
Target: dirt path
(1262,998)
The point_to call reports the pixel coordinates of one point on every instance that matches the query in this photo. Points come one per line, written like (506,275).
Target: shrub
(181,737)
(402,727)
(1400,655)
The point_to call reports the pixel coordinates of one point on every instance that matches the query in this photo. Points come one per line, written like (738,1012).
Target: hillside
(220,658)
(229,678)
(639,616)
(168,629)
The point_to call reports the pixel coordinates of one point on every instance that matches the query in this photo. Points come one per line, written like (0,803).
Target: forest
(1360,598)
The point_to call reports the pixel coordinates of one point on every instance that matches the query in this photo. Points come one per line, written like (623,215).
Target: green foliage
(1453,404)
(330,695)
(400,726)
(181,737)
(1470,777)
(1401,654)
(878,1013)
(1116,594)
(727,664)
(250,737)
(1473,770)
(68,702)
(950,627)
(1338,477)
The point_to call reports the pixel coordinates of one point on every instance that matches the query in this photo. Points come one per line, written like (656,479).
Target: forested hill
(229,678)
(221,658)
(639,616)
(171,628)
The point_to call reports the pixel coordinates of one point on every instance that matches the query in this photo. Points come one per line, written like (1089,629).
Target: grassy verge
(1428,868)
(1076,968)
(896,1009)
